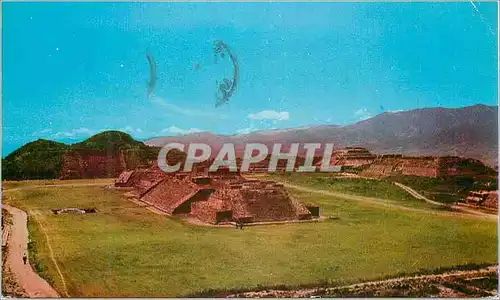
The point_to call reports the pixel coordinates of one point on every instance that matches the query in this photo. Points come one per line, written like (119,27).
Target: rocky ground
(470,283)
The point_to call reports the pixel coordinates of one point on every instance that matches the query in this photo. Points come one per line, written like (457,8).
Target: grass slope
(447,189)
(125,250)
(382,190)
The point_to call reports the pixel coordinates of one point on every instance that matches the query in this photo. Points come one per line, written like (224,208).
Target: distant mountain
(469,131)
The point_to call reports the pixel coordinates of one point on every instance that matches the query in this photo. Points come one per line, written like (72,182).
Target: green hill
(45,159)
(109,141)
(36,160)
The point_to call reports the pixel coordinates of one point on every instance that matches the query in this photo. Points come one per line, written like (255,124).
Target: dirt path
(382,202)
(417,194)
(29,281)
(30,187)
(36,216)
(302,293)
(24,275)
(420,196)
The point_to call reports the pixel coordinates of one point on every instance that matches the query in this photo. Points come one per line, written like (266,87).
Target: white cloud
(74,133)
(42,132)
(362,114)
(245,130)
(185,111)
(85,132)
(131,130)
(270,115)
(82,130)
(179,131)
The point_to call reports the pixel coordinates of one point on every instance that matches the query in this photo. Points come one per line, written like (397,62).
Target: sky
(71,70)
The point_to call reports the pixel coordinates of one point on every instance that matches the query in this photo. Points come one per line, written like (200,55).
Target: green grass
(380,190)
(355,186)
(38,261)
(444,189)
(447,189)
(27,183)
(125,250)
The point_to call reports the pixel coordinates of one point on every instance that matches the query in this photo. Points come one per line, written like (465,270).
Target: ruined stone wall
(144,179)
(302,212)
(200,195)
(352,156)
(91,164)
(491,201)
(251,200)
(455,166)
(384,165)
(206,211)
(169,193)
(427,166)
(351,162)
(123,179)
(203,212)
(268,204)
(254,201)
(420,166)
(132,159)
(263,166)
(230,198)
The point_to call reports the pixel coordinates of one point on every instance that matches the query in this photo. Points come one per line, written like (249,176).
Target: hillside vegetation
(447,189)
(110,141)
(43,159)
(40,159)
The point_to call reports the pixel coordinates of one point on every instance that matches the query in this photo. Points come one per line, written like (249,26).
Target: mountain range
(468,131)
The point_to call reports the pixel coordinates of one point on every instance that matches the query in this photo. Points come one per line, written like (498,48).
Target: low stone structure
(74,210)
(491,201)
(351,157)
(217,197)
(426,166)
(140,179)
(91,164)
(484,199)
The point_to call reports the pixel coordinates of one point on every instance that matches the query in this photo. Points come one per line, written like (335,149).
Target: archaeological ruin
(427,166)
(73,210)
(100,164)
(351,157)
(483,199)
(215,197)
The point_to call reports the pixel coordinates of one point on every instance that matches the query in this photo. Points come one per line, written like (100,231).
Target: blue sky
(73,69)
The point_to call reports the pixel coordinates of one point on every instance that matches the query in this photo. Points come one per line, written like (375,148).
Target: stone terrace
(215,199)
(425,166)
(352,157)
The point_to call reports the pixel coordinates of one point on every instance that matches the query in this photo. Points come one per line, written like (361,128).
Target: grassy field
(380,190)
(446,189)
(355,186)
(32,183)
(125,250)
